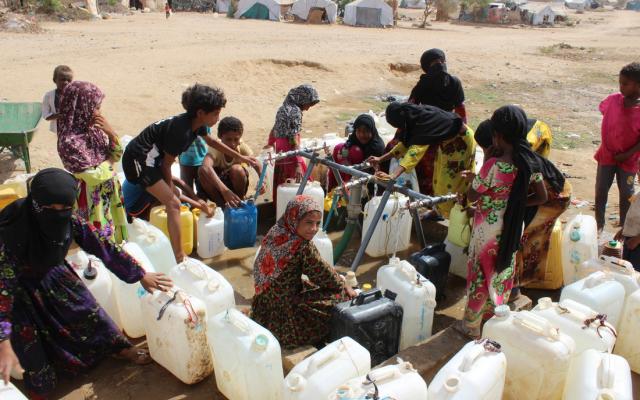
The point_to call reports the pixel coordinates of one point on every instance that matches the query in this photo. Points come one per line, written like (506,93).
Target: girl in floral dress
(297,312)
(501,192)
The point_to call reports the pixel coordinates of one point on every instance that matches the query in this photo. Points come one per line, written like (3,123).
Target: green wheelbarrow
(18,121)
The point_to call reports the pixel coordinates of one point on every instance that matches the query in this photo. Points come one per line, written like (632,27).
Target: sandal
(135,355)
(461,327)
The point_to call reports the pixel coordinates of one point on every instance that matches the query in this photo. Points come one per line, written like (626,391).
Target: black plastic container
(371,319)
(433,263)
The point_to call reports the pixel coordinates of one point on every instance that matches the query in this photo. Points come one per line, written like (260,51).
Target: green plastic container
(18,121)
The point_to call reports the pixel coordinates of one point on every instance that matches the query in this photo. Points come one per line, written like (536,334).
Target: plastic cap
(502,311)
(261,342)
(451,384)
(544,302)
(366,286)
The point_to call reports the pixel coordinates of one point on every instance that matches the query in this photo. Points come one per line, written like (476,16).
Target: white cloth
(49,108)
(632,221)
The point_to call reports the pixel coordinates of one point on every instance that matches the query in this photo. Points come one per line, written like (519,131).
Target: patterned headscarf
(281,242)
(289,116)
(80,144)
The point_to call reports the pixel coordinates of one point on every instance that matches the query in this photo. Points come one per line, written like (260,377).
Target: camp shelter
(258,9)
(315,11)
(418,4)
(372,13)
(543,13)
(222,6)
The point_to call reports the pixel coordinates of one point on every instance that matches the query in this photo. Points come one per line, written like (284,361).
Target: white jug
(128,295)
(398,381)
(124,141)
(318,375)
(415,294)
(459,259)
(627,343)
(211,234)
(599,292)
(617,268)
(477,371)
(154,243)
(246,358)
(10,392)
(267,196)
(204,283)
(538,355)
(287,192)
(393,231)
(598,376)
(324,246)
(579,244)
(580,322)
(97,278)
(177,334)
(405,178)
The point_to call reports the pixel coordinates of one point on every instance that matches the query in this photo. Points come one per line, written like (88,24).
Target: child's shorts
(138,173)
(136,199)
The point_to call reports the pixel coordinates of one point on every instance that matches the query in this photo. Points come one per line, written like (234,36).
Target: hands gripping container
(158,218)
(598,376)
(210,235)
(318,375)
(587,329)
(177,334)
(537,354)
(241,225)
(204,283)
(477,372)
(287,192)
(599,292)
(246,358)
(393,231)
(154,243)
(398,381)
(97,278)
(128,295)
(628,344)
(579,244)
(617,268)
(415,294)
(372,320)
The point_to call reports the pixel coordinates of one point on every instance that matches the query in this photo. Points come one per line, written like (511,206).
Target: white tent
(368,13)
(222,6)
(258,9)
(421,4)
(301,8)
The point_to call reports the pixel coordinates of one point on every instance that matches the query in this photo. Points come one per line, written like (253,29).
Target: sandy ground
(143,63)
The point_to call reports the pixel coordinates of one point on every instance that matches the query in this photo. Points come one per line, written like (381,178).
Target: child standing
(285,135)
(619,151)
(501,192)
(62,76)
(167,10)
(223,178)
(148,158)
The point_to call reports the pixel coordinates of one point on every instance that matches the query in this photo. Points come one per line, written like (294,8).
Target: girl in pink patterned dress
(500,190)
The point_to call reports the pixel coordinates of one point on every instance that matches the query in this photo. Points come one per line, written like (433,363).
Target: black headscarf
(421,124)
(484,134)
(40,237)
(375,147)
(436,87)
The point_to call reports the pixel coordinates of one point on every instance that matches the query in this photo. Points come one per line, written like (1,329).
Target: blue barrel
(241,225)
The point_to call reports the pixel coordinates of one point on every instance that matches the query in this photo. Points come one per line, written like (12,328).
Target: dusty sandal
(135,355)
(461,327)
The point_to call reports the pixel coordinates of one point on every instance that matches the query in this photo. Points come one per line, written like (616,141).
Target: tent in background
(372,13)
(302,8)
(258,9)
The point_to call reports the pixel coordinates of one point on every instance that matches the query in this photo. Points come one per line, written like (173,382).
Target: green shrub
(51,6)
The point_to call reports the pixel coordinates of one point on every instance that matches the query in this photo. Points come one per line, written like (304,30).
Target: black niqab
(421,124)
(436,86)
(375,147)
(40,237)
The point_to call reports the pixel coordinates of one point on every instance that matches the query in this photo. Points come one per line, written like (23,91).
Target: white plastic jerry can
(320,374)
(599,292)
(587,329)
(537,354)
(97,278)
(154,243)
(10,392)
(211,234)
(579,244)
(416,295)
(324,246)
(459,259)
(287,192)
(617,268)
(595,375)
(398,381)
(393,231)
(177,334)
(204,283)
(627,343)
(246,357)
(129,295)
(477,371)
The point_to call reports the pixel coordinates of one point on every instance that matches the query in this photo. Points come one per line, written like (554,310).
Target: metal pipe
(307,173)
(291,153)
(353,183)
(417,224)
(431,201)
(374,222)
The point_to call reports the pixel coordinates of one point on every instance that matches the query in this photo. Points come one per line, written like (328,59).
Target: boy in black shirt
(148,158)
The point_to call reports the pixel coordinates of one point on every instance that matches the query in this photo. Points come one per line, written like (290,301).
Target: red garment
(351,156)
(285,168)
(620,131)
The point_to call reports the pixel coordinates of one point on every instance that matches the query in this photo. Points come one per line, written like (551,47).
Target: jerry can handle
(618,263)
(537,324)
(360,299)
(318,362)
(606,373)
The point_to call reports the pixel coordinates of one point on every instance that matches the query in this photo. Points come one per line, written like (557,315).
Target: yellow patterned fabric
(410,157)
(540,138)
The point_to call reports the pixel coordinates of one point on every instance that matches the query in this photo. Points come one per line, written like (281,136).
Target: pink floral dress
(484,290)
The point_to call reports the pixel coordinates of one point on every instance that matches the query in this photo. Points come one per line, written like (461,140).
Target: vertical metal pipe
(307,174)
(418,227)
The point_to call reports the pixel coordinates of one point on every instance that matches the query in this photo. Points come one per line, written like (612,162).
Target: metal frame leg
(307,174)
(418,227)
(376,217)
